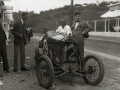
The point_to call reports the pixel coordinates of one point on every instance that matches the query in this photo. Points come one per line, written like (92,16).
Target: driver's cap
(63,20)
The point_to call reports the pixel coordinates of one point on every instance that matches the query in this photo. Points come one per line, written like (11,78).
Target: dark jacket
(30,34)
(2,34)
(78,32)
(17,30)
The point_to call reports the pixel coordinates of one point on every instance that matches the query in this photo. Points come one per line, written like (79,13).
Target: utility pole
(71,15)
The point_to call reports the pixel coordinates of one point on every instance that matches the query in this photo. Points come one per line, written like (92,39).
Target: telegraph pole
(71,15)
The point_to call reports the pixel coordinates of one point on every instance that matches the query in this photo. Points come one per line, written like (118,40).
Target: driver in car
(64,28)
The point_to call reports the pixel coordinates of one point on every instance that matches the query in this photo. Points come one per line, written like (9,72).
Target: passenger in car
(64,28)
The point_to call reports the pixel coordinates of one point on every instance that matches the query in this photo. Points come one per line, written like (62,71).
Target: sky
(41,5)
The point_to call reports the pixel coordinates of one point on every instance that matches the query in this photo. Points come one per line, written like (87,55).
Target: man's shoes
(15,70)
(24,69)
(7,71)
(1,75)
(1,62)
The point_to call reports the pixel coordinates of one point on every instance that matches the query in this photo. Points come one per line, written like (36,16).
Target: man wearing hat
(80,29)
(3,47)
(64,28)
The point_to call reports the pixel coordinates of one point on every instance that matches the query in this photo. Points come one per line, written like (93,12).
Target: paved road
(111,48)
(109,53)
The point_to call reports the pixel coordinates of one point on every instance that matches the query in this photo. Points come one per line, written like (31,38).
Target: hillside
(51,18)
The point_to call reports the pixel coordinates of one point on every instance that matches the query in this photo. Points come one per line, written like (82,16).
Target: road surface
(106,51)
(109,53)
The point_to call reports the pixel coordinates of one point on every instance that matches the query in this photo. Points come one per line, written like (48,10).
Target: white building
(7,16)
(113,13)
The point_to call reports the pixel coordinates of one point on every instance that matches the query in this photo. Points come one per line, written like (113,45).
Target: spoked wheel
(45,72)
(94,70)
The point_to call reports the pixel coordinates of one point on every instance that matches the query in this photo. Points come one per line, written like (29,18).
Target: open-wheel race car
(56,56)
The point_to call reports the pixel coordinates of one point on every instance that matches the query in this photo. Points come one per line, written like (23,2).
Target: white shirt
(65,30)
(76,25)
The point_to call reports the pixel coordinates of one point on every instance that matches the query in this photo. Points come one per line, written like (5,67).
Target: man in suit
(3,47)
(20,40)
(79,29)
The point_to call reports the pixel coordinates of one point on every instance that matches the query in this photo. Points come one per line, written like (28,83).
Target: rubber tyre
(37,55)
(101,66)
(51,71)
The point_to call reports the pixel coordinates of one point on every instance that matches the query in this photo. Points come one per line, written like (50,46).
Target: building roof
(113,5)
(108,14)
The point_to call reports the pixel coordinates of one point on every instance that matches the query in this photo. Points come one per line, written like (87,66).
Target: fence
(106,25)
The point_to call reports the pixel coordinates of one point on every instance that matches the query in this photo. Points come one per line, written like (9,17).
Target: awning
(108,14)
(116,13)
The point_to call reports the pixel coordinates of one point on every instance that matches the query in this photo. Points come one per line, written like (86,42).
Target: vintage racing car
(56,56)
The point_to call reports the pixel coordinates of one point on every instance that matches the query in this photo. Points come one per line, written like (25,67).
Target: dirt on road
(28,80)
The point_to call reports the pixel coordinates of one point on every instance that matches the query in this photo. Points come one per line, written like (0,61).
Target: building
(7,16)
(113,13)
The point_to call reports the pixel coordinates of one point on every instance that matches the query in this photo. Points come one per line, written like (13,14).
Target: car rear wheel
(94,70)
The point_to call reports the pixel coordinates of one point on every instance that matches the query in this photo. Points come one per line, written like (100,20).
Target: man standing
(80,28)
(30,32)
(3,48)
(20,40)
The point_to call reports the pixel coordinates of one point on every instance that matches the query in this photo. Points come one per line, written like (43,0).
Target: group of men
(22,33)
